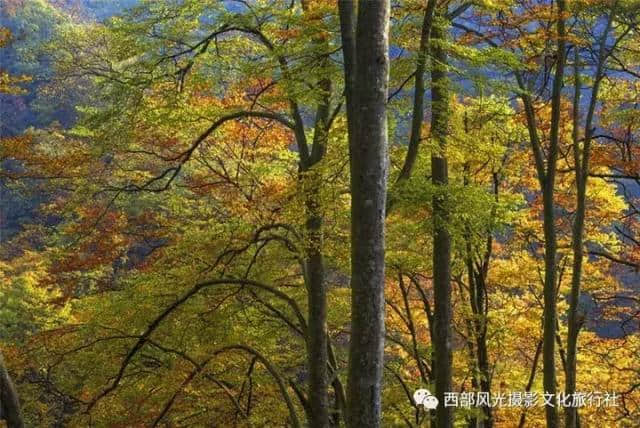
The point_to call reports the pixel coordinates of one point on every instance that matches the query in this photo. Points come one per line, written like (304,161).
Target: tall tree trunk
(477,296)
(550,302)
(482,303)
(573,324)
(581,158)
(441,236)
(317,335)
(317,303)
(550,243)
(477,274)
(9,403)
(367,85)
(318,346)
(546,177)
(472,323)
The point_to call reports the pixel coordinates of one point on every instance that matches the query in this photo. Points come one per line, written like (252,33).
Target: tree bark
(311,180)
(477,297)
(581,158)
(573,324)
(367,86)
(317,305)
(441,235)
(317,335)
(550,243)
(478,300)
(9,402)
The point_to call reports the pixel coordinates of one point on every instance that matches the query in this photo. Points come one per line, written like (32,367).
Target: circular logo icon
(423,397)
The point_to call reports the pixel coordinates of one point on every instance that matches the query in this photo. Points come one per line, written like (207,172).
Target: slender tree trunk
(550,244)
(430,320)
(581,157)
(317,335)
(348,24)
(546,177)
(573,324)
(532,377)
(482,319)
(9,402)
(441,236)
(477,274)
(473,420)
(424,371)
(368,120)
(417,115)
(473,323)
(340,402)
(478,290)
(550,304)
(483,353)
(317,302)
(318,351)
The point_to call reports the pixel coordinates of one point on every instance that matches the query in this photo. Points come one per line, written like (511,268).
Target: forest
(320,213)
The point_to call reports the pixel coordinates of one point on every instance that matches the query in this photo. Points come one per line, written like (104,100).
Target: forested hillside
(322,213)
